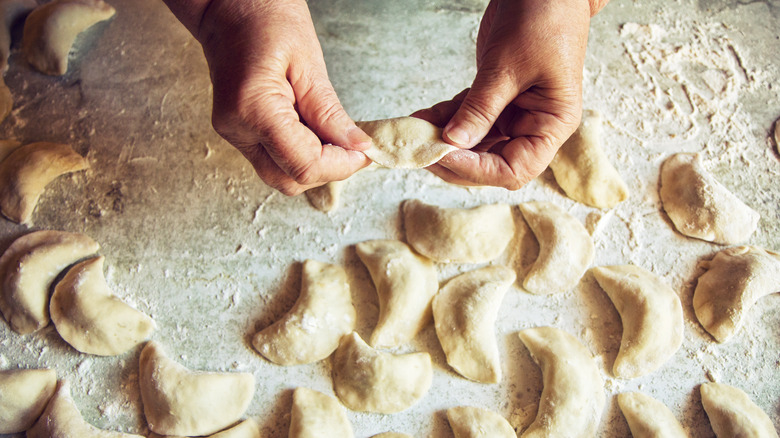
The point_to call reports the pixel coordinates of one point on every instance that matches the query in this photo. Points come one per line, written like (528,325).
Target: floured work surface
(194,239)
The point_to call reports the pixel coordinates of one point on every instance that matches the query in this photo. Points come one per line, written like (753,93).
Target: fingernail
(457,136)
(358,138)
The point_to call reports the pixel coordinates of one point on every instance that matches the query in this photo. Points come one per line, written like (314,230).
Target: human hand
(273,100)
(526,98)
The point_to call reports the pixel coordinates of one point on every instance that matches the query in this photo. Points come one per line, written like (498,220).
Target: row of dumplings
(180,402)
(464,310)
(82,307)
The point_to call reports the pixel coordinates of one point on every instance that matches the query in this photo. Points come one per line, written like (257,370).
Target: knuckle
(330,112)
(289,189)
(305,173)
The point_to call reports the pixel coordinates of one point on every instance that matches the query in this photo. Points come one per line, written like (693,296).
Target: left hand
(526,98)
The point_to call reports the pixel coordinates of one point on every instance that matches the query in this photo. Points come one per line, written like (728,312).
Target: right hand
(273,100)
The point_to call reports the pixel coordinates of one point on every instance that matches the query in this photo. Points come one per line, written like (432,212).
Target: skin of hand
(526,98)
(272,98)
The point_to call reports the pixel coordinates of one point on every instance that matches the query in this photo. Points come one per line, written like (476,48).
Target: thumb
(323,114)
(490,93)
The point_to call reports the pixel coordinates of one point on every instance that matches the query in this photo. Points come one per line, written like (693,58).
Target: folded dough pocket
(405,142)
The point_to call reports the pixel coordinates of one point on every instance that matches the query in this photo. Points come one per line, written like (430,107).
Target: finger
(442,112)
(271,173)
(517,162)
(492,91)
(267,169)
(448,175)
(321,110)
(293,147)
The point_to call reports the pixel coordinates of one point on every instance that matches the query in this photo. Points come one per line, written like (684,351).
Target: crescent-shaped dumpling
(475,235)
(178,401)
(26,172)
(565,248)
(315,414)
(23,397)
(651,314)
(91,318)
(699,206)
(471,422)
(27,269)
(733,414)
(464,313)
(368,380)
(649,418)
(573,395)
(405,283)
(734,280)
(583,170)
(405,142)
(311,330)
(62,419)
(51,29)
(392,435)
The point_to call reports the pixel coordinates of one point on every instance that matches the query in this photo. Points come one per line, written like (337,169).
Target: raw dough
(26,172)
(6,147)
(651,314)
(27,269)
(405,283)
(649,418)
(368,380)
(326,197)
(464,313)
(316,415)
(733,414)
(573,395)
(392,435)
(734,280)
(11,12)
(245,429)
(178,401)
(583,170)
(62,419)
(475,235)
(91,318)
(51,29)
(565,249)
(23,397)
(471,422)
(405,142)
(311,330)
(699,206)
